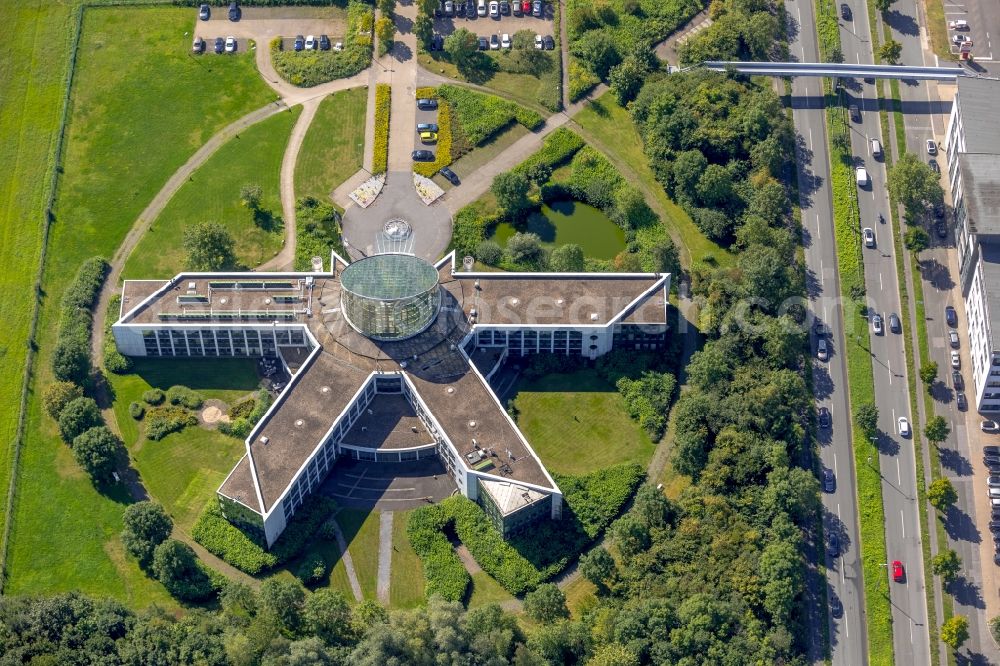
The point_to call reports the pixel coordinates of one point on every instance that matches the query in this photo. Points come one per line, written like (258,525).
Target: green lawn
(406,588)
(483,154)
(577,423)
(581,596)
(124,142)
(213,194)
(485,590)
(360,530)
(609,128)
(523,88)
(334,147)
(336,571)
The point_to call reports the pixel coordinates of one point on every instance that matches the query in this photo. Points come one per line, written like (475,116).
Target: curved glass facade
(390,296)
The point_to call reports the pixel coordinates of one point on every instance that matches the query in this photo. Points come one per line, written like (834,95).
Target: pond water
(568,221)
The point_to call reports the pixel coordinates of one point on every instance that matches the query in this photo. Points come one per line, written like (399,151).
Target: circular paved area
(431,224)
(388,486)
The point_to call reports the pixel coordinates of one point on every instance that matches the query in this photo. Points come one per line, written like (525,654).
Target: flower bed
(380,157)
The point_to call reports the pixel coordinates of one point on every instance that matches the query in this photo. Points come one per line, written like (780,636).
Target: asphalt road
(848,641)
(896,455)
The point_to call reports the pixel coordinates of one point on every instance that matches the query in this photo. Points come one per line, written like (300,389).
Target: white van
(876,148)
(861,174)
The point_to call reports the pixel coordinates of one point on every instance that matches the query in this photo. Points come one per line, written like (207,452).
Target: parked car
(449,8)
(220,45)
(428,137)
(897,571)
(450,176)
(823,417)
(953,339)
(505,40)
(310,43)
(956,360)
(931,147)
(299,43)
(855,113)
(438,41)
(877,324)
(904,426)
(481,8)
(494,42)
(934,165)
(991,460)
(989,426)
(516,8)
(234,11)
(894,324)
(504,7)
(484,44)
(470,10)
(822,353)
(957,382)
(548,42)
(963,404)
(324,43)
(993,482)
(951,316)
(526,7)
(961,40)
(845,11)
(204,12)
(959,24)
(198,45)
(338,46)
(536,8)
(993,492)
(494,9)
(829,483)
(427,127)
(941,228)
(991,450)
(230,45)
(833,544)
(422,156)
(425,104)
(538,42)
(869,235)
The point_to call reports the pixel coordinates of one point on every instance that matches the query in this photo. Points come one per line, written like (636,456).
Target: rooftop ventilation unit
(475,444)
(560,301)
(192,286)
(477,284)
(593,316)
(264,440)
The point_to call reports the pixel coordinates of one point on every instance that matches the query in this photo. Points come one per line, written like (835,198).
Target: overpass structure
(823,69)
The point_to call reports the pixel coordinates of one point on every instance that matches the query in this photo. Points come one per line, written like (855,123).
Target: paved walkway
(667,49)
(385,549)
(345,556)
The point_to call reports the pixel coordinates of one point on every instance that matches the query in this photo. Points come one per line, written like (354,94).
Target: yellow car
(428,137)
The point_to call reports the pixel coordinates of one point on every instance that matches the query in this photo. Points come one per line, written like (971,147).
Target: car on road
(833,545)
(829,483)
(494,9)
(505,40)
(951,316)
(220,45)
(230,45)
(894,324)
(428,137)
(324,43)
(956,360)
(876,148)
(481,8)
(989,426)
(904,426)
(819,328)
(427,127)
(310,43)
(957,381)
(931,147)
(822,353)
(422,156)
(204,12)
(855,113)
(450,176)
(549,43)
(536,8)
(934,165)
(869,235)
(962,403)
(198,45)
(299,43)
(953,339)
(484,44)
(836,608)
(897,571)
(845,11)
(823,416)
(234,11)
(877,324)
(959,24)
(425,104)
(494,43)
(861,175)
(538,42)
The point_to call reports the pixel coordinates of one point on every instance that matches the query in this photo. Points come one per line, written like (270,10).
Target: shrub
(647,400)
(443,570)
(442,156)
(154,397)
(145,525)
(96,451)
(312,569)
(136,410)
(114,360)
(317,232)
(380,157)
(489,253)
(311,68)
(57,395)
(242,409)
(426,92)
(162,421)
(176,566)
(241,426)
(581,80)
(71,359)
(303,527)
(481,116)
(185,397)
(470,228)
(78,416)
(557,148)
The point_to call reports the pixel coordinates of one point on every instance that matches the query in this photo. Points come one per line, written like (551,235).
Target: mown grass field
(334,146)
(609,128)
(523,88)
(577,423)
(406,587)
(124,141)
(485,590)
(360,530)
(213,194)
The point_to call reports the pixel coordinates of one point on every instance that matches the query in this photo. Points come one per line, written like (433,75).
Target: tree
(715,187)
(630,535)
(598,51)
(145,525)
(423,29)
(286,599)
(890,51)
(955,631)
(78,416)
(525,249)
(327,614)
(176,566)
(946,564)
(936,430)
(626,79)
(427,7)
(462,46)
(546,604)
(489,252)
(511,190)
(942,494)
(613,654)
(386,7)
(251,195)
(928,373)
(598,567)
(59,394)
(96,451)
(883,5)
(866,416)
(665,258)
(566,259)
(209,247)
(915,185)
(71,359)
(916,239)
(385,32)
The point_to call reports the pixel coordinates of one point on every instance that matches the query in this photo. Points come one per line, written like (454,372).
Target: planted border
(380,155)
(482,116)
(442,156)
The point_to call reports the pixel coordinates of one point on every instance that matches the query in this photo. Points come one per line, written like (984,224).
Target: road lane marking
(902,522)
(888,365)
(818,236)
(811,147)
(899,474)
(894,422)
(881,288)
(835,464)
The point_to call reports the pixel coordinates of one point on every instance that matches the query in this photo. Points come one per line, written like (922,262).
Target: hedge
(481,116)
(557,148)
(114,360)
(161,421)
(442,157)
(71,359)
(380,156)
(311,68)
(185,397)
(444,572)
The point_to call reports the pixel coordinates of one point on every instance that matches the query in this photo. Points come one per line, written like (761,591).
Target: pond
(567,221)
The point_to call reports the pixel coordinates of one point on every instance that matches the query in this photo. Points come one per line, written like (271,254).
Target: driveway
(265,23)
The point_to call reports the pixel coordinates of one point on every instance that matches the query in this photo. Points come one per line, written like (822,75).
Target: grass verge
(360,530)
(540,93)
(406,588)
(334,147)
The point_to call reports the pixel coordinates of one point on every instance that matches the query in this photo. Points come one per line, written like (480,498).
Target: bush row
(317,232)
(161,421)
(241,426)
(114,360)
(380,156)
(71,359)
(496,556)
(557,148)
(647,400)
(481,116)
(443,570)
(442,156)
(185,397)
(263,3)
(311,68)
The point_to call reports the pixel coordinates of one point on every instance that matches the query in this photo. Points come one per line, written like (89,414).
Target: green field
(406,588)
(360,528)
(577,423)
(336,571)
(609,128)
(523,88)
(123,144)
(213,194)
(485,590)
(334,146)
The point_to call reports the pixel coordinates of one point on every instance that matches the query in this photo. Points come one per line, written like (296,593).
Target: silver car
(869,236)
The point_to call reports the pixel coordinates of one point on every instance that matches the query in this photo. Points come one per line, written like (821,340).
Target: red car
(526,7)
(897,571)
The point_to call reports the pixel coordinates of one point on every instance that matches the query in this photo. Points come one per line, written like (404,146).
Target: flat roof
(990,252)
(508,496)
(981,186)
(388,422)
(979,100)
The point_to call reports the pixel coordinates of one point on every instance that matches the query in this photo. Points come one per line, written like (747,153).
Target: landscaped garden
(311,68)
(334,146)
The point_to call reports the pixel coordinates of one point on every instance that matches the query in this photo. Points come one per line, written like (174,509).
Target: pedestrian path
(385,549)
(345,556)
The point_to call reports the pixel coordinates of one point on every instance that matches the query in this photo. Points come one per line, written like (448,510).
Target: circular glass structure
(390,296)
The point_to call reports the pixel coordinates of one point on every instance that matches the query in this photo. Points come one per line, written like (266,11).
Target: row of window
(220,341)
(524,342)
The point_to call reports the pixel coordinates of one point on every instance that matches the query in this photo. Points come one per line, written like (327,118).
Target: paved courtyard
(388,486)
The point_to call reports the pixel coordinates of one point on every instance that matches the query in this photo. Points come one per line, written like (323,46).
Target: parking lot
(983,20)
(424,117)
(265,23)
(484,26)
